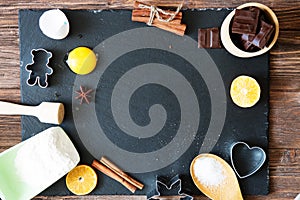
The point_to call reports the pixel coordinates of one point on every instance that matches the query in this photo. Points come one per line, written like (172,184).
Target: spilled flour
(46,157)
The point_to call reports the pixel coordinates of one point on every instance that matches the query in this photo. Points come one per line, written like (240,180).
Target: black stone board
(90,28)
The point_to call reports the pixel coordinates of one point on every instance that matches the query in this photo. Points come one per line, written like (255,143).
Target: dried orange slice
(245,91)
(81,180)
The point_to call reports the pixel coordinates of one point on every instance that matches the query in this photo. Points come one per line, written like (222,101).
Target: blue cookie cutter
(39,69)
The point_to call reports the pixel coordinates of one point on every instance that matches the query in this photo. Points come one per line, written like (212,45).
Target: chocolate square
(245,21)
(209,38)
(264,35)
(246,41)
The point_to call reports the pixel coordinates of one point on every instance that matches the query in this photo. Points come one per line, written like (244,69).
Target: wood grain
(284,148)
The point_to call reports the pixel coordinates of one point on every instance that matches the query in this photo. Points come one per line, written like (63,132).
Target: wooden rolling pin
(46,112)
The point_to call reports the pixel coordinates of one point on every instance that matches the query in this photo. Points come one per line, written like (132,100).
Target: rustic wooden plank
(273,197)
(10,126)
(284,59)
(10,132)
(90,4)
(287,11)
(284,112)
(288,16)
(12,95)
(284,162)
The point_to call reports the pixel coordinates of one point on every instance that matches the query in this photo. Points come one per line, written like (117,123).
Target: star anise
(83,95)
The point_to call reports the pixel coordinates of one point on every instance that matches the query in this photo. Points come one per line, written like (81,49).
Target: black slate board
(90,28)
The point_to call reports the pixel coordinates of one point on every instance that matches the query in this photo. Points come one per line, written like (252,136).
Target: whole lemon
(82,60)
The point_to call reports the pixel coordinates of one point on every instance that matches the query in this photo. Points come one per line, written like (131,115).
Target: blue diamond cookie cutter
(39,69)
(164,187)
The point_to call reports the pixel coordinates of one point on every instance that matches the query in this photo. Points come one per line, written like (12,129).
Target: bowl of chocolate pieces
(250,30)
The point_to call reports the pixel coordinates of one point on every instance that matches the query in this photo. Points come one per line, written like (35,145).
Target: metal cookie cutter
(166,188)
(39,69)
(246,160)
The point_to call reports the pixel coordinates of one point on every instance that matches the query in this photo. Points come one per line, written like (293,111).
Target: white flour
(46,157)
(209,171)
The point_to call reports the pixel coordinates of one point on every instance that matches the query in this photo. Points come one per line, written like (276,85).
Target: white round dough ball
(54,24)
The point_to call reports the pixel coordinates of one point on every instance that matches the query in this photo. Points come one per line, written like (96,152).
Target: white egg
(54,24)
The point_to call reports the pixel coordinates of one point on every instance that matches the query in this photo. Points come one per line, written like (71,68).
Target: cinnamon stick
(96,164)
(142,11)
(122,174)
(146,13)
(146,19)
(178,29)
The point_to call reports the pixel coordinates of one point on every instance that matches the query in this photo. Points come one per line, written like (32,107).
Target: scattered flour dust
(46,157)
(209,171)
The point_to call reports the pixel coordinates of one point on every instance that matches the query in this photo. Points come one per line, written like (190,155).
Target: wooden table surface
(284,136)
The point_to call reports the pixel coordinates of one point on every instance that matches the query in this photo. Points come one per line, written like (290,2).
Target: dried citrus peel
(245,91)
(81,180)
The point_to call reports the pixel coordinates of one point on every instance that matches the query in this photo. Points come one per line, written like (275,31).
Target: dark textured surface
(249,125)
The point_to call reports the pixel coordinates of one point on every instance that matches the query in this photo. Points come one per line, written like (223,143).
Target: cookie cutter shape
(246,160)
(39,69)
(164,187)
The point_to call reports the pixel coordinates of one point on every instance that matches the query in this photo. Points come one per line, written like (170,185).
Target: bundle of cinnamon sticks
(163,19)
(108,168)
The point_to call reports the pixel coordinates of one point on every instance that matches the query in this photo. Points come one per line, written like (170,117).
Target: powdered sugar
(46,157)
(209,171)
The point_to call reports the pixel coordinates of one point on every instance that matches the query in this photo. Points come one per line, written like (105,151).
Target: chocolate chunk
(264,35)
(247,37)
(250,29)
(246,41)
(260,40)
(245,21)
(209,38)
